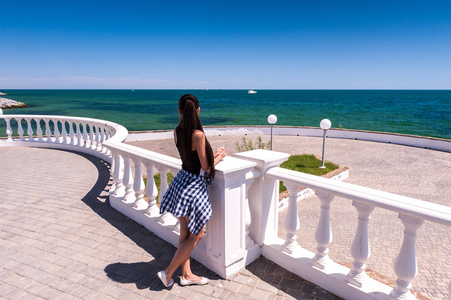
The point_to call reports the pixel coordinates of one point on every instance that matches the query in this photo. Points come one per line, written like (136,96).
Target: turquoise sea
(417,112)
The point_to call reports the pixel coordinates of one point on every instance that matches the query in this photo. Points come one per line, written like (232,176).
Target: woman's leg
(187,242)
(184,235)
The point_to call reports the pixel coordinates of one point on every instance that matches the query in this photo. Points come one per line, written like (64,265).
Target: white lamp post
(272,119)
(325,124)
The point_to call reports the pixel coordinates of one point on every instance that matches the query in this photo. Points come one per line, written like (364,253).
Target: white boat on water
(252,92)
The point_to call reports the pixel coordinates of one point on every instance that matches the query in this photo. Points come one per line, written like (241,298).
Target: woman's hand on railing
(220,154)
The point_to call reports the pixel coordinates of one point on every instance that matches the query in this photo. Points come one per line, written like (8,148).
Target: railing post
(264,194)
(323,233)
(360,248)
(226,232)
(406,263)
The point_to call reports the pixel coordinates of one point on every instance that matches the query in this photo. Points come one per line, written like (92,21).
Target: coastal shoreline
(8,103)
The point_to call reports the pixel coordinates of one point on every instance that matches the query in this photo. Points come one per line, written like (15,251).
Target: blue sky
(225,44)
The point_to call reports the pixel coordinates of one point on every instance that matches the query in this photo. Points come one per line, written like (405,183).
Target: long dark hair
(189,122)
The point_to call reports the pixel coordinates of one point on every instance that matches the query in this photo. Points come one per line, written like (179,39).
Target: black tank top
(194,166)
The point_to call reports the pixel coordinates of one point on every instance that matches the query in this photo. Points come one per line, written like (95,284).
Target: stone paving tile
(73,245)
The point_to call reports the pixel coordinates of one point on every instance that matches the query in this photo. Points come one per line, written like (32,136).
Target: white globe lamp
(272,119)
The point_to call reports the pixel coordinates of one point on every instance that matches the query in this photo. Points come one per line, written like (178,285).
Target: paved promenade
(60,239)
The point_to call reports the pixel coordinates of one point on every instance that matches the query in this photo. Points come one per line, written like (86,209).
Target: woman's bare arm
(199,145)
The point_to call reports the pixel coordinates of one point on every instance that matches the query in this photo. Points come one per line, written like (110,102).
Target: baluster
(9,131)
(138,187)
(64,132)
(323,233)
(112,168)
(48,132)
(98,138)
(30,130)
(151,192)
(102,148)
(56,132)
(73,141)
(247,215)
(128,181)
(360,248)
(406,263)
(291,222)
(107,136)
(20,129)
(39,130)
(177,223)
(166,217)
(118,175)
(86,135)
(92,137)
(78,135)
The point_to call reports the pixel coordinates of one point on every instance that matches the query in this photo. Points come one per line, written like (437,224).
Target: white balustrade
(244,197)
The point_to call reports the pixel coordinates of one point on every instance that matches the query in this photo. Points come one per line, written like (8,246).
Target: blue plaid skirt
(187,195)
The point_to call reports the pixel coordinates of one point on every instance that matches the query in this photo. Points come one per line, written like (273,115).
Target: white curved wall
(382,137)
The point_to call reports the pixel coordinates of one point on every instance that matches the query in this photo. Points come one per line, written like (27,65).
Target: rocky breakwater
(8,103)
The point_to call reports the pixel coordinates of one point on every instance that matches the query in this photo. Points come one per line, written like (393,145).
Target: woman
(187,196)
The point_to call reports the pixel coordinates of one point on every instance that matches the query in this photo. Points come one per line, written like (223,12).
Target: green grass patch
(157,179)
(306,163)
